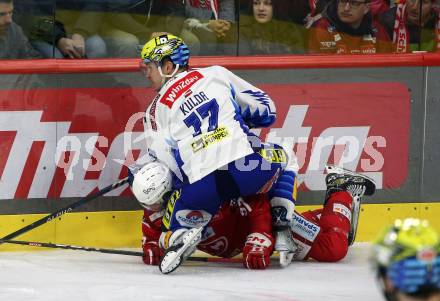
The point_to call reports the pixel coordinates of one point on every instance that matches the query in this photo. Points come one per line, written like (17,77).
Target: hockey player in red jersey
(238,223)
(245,225)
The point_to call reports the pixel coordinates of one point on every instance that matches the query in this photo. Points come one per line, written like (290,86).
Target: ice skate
(285,245)
(340,179)
(345,180)
(175,255)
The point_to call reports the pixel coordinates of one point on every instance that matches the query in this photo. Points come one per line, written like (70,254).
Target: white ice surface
(75,276)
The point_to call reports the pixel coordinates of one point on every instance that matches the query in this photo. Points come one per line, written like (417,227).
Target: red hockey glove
(152,253)
(257,250)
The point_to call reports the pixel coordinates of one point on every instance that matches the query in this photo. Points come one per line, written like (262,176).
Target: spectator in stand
(97,29)
(124,24)
(417,29)
(13,42)
(347,27)
(97,21)
(145,19)
(44,31)
(265,30)
(210,27)
(311,9)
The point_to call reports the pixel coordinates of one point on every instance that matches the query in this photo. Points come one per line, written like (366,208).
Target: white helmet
(150,183)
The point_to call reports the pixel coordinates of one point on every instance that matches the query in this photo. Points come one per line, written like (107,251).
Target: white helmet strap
(165,76)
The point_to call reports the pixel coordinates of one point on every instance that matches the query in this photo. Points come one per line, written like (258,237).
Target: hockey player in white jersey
(198,126)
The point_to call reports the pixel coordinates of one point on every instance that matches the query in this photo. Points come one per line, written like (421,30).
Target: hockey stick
(64,210)
(113,251)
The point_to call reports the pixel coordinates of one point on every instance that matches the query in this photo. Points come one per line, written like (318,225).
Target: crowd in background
(116,28)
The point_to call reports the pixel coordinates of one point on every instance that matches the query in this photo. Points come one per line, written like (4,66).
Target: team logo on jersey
(218,246)
(193,218)
(206,140)
(178,88)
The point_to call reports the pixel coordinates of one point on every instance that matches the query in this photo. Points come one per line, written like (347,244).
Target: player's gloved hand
(152,253)
(257,250)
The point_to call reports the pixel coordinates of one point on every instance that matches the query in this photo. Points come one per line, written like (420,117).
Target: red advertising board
(361,126)
(68,142)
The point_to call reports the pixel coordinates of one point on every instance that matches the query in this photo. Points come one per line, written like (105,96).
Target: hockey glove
(152,253)
(257,250)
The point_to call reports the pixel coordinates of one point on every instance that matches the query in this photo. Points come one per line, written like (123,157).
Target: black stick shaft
(62,211)
(70,247)
(112,251)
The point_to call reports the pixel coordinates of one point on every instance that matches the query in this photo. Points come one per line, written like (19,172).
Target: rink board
(64,134)
(122,229)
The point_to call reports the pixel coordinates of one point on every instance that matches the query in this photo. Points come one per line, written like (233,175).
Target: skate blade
(285,258)
(173,259)
(170,262)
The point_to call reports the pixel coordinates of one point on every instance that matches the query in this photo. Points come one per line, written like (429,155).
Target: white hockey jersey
(199,121)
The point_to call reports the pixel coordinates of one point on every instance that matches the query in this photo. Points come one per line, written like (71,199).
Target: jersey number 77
(206,110)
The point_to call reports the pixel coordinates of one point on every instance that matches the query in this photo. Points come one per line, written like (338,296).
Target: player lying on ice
(198,125)
(244,225)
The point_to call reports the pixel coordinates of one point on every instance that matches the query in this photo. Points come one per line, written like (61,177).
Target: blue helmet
(164,46)
(408,254)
